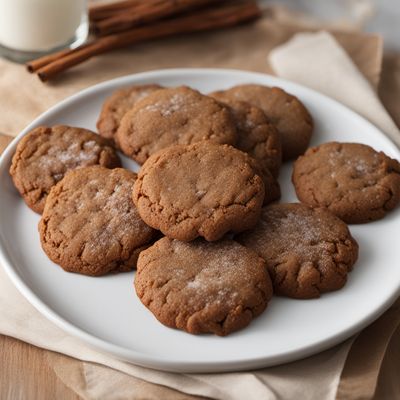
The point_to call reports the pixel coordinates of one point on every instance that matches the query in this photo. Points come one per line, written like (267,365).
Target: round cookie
(292,120)
(204,189)
(90,225)
(307,251)
(352,180)
(256,135)
(173,116)
(202,287)
(45,154)
(118,104)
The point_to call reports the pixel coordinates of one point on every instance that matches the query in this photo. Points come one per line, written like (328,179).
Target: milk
(40,25)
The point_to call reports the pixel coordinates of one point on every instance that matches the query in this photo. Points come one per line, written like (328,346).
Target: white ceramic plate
(105,312)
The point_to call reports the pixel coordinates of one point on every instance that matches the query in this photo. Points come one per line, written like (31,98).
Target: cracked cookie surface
(307,251)
(45,154)
(173,116)
(352,180)
(290,117)
(90,225)
(118,104)
(204,189)
(203,287)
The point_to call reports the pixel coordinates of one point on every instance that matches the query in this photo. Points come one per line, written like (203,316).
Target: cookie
(90,225)
(352,180)
(271,184)
(117,105)
(203,287)
(307,251)
(204,189)
(292,120)
(45,154)
(173,116)
(256,135)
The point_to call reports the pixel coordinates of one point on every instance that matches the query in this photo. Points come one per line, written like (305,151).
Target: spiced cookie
(202,287)
(90,225)
(292,120)
(271,184)
(307,251)
(256,135)
(173,116)
(352,180)
(204,189)
(45,154)
(119,103)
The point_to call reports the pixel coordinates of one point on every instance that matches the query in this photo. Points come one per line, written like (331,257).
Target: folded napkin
(316,377)
(315,60)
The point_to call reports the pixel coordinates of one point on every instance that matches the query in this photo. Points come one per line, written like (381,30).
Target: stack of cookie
(209,171)
(89,223)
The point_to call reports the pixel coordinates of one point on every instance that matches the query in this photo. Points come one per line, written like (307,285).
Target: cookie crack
(180,217)
(322,274)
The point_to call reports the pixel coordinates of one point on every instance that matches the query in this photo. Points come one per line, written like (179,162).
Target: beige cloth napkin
(315,60)
(317,377)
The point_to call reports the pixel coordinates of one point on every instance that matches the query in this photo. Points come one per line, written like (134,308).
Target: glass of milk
(31,28)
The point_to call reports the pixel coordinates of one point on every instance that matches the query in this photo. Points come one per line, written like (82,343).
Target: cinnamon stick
(98,12)
(223,16)
(148,12)
(34,65)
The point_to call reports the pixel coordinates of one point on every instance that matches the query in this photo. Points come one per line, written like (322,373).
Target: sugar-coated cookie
(291,118)
(307,251)
(352,180)
(173,116)
(90,225)
(256,135)
(45,154)
(204,189)
(203,287)
(117,105)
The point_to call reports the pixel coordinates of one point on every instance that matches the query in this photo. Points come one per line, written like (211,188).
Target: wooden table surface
(27,373)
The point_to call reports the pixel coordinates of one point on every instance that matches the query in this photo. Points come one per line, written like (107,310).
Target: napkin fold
(316,377)
(317,61)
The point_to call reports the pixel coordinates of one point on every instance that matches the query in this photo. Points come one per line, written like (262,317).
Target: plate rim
(159,363)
